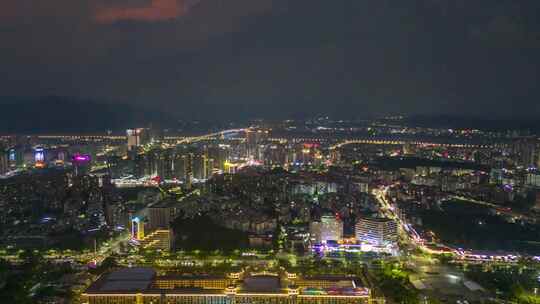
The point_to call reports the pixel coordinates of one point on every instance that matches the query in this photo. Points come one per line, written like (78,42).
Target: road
(443,282)
(208,136)
(406,231)
(499,208)
(431,278)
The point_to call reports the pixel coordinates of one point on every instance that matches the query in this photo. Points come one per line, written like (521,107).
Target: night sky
(278,57)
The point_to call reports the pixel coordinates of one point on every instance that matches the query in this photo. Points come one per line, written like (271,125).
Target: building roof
(473,286)
(190,277)
(124,286)
(376,219)
(124,280)
(132,274)
(261,283)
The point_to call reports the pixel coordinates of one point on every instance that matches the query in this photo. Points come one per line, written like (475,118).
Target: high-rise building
(220,154)
(81,163)
(39,154)
(137,228)
(165,169)
(188,169)
(162,239)
(253,138)
(526,151)
(533,179)
(136,138)
(363,187)
(315,232)
(15,157)
(376,231)
(177,165)
(115,214)
(158,231)
(209,167)
(275,155)
(4,166)
(198,165)
(330,228)
(161,215)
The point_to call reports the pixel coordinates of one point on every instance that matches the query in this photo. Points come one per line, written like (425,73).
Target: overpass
(412,142)
(99,137)
(215,135)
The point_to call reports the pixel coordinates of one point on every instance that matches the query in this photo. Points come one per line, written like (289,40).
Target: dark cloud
(155,10)
(276,57)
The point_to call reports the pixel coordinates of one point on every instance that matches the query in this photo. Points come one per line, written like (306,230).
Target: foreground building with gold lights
(144,286)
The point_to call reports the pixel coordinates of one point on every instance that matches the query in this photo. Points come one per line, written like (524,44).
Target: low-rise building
(143,285)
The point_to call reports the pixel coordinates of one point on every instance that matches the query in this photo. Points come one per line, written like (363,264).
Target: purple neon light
(81,158)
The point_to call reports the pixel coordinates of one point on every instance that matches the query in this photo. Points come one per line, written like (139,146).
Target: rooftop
(124,280)
(170,276)
(261,283)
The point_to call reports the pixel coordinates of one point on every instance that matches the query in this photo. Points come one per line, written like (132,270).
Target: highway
(500,209)
(431,278)
(187,140)
(406,231)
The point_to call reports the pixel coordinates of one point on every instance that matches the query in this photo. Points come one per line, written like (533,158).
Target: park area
(468,225)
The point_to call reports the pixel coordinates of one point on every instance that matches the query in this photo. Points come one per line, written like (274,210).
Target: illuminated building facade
(143,285)
(253,138)
(188,169)
(220,154)
(533,179)
(81,163)
(15,157)
(203,166)
(376,231)
(39,155)
(162,239)
(137,228)
(315,232)
(204,282)
(275,154)
(329,228)
(156,231)
(136,138)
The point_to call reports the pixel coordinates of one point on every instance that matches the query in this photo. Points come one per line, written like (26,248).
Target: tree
(108,264)
(32,260)
(394,282)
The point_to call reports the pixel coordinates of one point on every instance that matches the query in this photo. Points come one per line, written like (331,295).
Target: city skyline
(315,211)
(269,152)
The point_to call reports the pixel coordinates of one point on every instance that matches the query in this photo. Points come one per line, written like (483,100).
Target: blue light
(12,155)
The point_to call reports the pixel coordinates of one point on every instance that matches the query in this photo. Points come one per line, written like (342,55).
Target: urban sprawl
(311,211)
